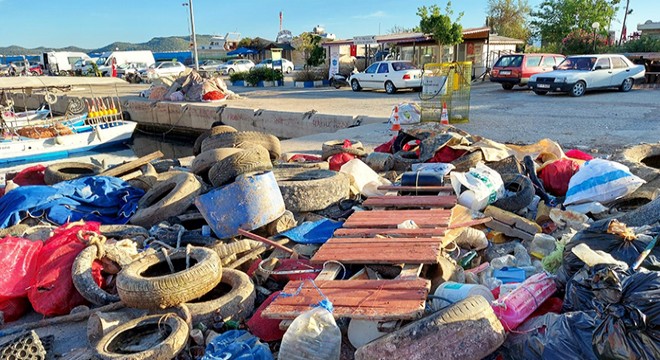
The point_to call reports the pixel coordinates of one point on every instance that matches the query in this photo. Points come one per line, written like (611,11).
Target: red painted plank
(379,213)
(382,241)
(392,223)
(413,188)
(411,201)
(391,254)
(389,232)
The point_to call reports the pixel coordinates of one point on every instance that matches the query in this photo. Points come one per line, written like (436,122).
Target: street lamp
(595,26)
(192,30)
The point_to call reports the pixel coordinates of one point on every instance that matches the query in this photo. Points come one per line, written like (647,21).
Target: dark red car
(516,69)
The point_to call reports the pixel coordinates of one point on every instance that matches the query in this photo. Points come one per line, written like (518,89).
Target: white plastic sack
(409,113)
(484,186)
(602,181)
(364,178)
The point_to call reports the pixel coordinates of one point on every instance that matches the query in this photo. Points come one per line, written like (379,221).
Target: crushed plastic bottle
(503,261)
(314,334)
(542,245)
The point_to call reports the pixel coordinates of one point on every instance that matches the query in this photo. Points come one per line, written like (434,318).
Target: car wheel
(34,73)
(288,70)
(626,85)
(507,86)
(230,71)
(355,85)
(578,89)
(540,92)
(390,88)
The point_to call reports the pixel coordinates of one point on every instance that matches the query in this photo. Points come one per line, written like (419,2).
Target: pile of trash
(191,87)
(548,254)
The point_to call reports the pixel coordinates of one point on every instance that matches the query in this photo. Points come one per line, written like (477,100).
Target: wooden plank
(382,241)
(397,254)
(394,233)
(415,188)
(132,165)
(411,201)
(410,271)
(410,312)
(400,213)
(392,223)
(471,223)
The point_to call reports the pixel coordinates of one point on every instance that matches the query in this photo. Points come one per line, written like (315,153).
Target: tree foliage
(555,19)
(645,43)
(397,29)
(309,44)
(509,18)
(444,30)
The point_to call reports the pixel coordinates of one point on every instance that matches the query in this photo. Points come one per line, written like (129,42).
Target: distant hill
(157,44)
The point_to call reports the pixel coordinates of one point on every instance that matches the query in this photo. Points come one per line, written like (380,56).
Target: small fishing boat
(16,119)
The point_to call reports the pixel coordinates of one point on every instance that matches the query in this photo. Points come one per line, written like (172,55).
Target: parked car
(84,65)
(236,65)
(577,74)
(516,69)
(33,68)
(209,65)
(390,75)
(165,68)
(285,65)
(131,71)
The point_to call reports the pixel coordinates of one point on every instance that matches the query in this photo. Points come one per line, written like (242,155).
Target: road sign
(364,40)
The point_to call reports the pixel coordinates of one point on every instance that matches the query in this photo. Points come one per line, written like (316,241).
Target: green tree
(245,42)
(444,30)
(397,29)
(509,18)
(309,44)
(555,19)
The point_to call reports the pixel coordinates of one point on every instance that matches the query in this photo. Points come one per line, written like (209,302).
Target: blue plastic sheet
(312,232)
(237,345)
(103,199)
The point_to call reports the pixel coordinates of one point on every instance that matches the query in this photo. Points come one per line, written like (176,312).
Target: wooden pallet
(380,251)
(433,218)
(357,299)
(403,202)
(420,189)
(394,233)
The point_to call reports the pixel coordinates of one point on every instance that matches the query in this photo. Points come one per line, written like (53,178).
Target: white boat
(15,119)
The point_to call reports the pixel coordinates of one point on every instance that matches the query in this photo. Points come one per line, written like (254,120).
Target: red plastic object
(213,95)
(386,147)
(305,158)
(577,154)
(33,175)
(265,329)
(51,290)
(556,176)
(13,309)
(336,161)
(18,262)
(519,304)
(446,155)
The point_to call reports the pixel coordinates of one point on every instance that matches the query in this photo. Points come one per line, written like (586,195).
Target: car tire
(312,190)
(230,71)
(540,92)
(626,85)
(68,171)
(34,73)
(289,70)
(355,85)
(507,86)
(578,89)
(521,189)
(390,88)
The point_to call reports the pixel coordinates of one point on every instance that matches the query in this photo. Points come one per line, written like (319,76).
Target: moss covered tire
(311,190)
(68,171)
(148,283)
(167,198)
(233,298)
(124,341)
(197,145)
(231,139)
(330,148)
(242,162)
(204,161)
(522,191)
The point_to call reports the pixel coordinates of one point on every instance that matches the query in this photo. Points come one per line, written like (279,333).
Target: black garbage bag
(597,238)
(553,336)
(630,326)
(603,279)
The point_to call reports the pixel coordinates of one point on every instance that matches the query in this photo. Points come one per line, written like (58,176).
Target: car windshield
(231,62)
(399,66)
(577,63)
(509,60)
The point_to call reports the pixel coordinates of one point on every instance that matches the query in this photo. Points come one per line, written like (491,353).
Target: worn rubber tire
(69,170)
(81,273)
(637,159)
(523,188)
(231,139)
(507,86)
(163,291)
(197,145)
(245,161)
(205,160)
(221,129)
(334,147)
(403,160)
(311,190)
(167,349)
(467,161)
(466,330)
(323,165)
(120,232)
(192,220)
(540,92)
(237,304)
(167,198)
(578,89)
(164,165)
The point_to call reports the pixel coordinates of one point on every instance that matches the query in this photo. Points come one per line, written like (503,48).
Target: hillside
(157,44)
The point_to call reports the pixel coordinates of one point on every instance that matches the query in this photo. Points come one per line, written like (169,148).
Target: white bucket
(361,332)
(455,292)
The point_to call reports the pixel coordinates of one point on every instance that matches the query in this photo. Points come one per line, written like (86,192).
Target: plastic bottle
(542,245)
(314,334)
(503,261)
(515,307)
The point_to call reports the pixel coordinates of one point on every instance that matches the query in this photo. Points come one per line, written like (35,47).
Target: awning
(242,51)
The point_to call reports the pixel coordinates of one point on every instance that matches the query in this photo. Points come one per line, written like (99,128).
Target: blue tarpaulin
(313,232)
(107,200)
(242,51)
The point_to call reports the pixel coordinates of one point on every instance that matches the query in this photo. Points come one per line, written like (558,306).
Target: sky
(92,24)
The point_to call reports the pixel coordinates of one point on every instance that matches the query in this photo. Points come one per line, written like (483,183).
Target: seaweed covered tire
(334,147)
(467,329)
(123,342)
(523,192)
(311,190)
(170,197)
(252,159)
(148,283)
(231,139)
(233,298)
(68,171)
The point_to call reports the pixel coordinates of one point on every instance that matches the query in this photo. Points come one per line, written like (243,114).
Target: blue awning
(242,51)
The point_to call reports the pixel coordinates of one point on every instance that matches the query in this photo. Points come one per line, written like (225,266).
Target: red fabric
(336,161)
(446,155)
(580,155)
(409,146)
(555,176)
(386,147)
(33,175)
(305,158)
(265,329)
(13,309)
(213,95)
(51,290)
(18,263)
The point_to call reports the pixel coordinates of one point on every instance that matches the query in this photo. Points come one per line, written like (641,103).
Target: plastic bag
(602,181)
(51,291)
(13,309)
(314,334)
(17,260)
(237,344)
(364,178)
(581,289)
(557,175)
(484,186)
(33,175)
(409,113)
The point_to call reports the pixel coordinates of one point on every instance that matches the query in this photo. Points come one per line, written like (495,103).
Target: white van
(104,62)
(61,62)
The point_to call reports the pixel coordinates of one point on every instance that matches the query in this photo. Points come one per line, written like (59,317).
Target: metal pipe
(194,38)
(625,16)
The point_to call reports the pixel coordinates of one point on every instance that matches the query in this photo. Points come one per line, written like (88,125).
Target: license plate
(543,86)
(505,72)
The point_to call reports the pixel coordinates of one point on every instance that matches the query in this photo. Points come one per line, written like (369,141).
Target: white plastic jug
(364,178)
(314,334)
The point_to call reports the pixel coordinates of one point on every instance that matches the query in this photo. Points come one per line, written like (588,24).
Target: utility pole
(625,15)
(193,37)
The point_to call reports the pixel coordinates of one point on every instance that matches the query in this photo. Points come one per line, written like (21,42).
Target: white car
(390,75)
(285,65)
(209,65)
(237,65)
(166,68)
(577,74)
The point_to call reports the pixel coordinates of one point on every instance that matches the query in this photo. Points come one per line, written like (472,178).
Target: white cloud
(373,15)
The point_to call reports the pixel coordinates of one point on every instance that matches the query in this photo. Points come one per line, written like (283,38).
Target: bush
(263,74)
(313,74)
(237,76)
(643,44)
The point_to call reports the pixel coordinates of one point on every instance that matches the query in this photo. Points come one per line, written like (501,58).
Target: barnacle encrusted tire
(204,161)
(245,161)
(81,272)
(311,190)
